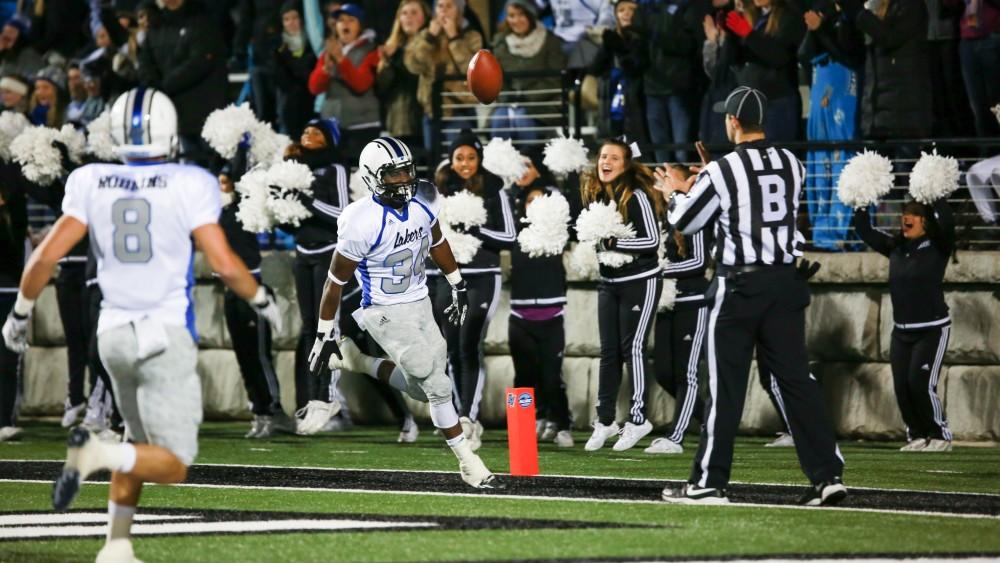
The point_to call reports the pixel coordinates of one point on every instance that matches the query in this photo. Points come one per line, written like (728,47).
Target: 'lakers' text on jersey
(390,247)
(140,220)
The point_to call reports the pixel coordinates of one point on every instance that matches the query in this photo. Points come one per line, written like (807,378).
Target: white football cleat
(631,434)
(784,440)
(72,413)
(409,433)
(314,416)
(475,473)
(600,435)
(9,433)
(664,446)
(353,358)
(563,439)
(935,445)
(472,432)
(117,551)
(914,445)
(85,454)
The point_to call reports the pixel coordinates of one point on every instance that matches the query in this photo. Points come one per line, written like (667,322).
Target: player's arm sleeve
(74,203)
(352,236)
(647,229)
(203,201)
(690,212)
(694,263)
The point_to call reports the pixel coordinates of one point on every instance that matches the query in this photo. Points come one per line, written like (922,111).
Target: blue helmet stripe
(396,147)
(135,124)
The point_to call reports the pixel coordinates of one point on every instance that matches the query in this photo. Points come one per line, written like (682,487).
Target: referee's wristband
(23,306)
(454,278)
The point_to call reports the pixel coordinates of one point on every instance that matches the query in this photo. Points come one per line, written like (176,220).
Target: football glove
(15,333)
(323,348)
(267,307)
(459,304)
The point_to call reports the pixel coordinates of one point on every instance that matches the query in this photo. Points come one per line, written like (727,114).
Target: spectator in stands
(58,26)
(523,44)
(95,104)
(397,86)
(768,35)
(463,171)
(17,56)
(620,64)
(718,52)
(258,32)
(184,57)
(444,48)
(979,49)
(48,102)
(15,93)
(77,93)
(670,82)
(345,72)
(293,63)
(897,89)
(573,19)
(950,103)
(835,49)
(109,62)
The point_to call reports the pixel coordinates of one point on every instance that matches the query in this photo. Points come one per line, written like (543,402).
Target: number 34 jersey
(390,247)
(140,220)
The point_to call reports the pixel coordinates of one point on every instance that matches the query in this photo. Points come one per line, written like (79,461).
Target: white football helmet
(386,166)
(144,125)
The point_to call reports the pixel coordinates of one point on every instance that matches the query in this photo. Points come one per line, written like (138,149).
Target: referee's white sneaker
(935,445)
(631,434)
(914,445)
(664,446)
(824,494)
(601,434)
(314,416)
(117,551)
(693,494)
(784,440)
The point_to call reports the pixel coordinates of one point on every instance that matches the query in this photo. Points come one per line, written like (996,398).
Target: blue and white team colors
(140,220)
(390,246)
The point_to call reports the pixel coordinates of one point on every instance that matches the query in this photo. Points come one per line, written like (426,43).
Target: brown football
(485,77)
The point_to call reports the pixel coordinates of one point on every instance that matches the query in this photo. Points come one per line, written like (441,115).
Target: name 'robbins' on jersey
(391,247)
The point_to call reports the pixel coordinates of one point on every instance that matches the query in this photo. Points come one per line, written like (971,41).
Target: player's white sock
(459,445)
(119,520)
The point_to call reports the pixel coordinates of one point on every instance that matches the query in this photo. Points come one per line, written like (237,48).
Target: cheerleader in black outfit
(918,257)
(464,171)
(627,295)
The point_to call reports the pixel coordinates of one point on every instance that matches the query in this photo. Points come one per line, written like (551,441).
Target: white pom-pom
(463,246)
(565,155)
(601,221)
(75,141)
(288,177)
(266,145)
(583,260)
(225,128)
(669,295)
(99,140)
(864,179)
(501,158)
(463,208)
(996,111)
(547,232)
(12,124)
(933,177)
(252,211)
(357,186)
(40,161)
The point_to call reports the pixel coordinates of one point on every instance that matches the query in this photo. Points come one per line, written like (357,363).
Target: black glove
(806,269)
(459,304)
(324,347)
(67,163)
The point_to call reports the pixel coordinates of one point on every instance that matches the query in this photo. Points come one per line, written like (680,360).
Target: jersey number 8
(132,241)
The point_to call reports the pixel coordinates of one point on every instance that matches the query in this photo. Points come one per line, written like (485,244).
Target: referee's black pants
(465,343)
(625,314)
(11,368)
(74,310)
(916,357)
(767,309)
(536,348)
(251,337)
(677,348)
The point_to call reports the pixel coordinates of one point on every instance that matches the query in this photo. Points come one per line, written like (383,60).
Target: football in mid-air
(485,77)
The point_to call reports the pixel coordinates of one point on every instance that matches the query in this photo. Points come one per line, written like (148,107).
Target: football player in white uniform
(141,217)
(384,241)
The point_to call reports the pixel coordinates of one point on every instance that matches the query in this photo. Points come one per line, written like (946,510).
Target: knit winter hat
(291,6)
(466,138)
(54,75)
(459,5)
(330,128)
(526,5)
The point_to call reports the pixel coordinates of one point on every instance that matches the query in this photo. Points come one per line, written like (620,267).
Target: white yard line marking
(28,532)
(482,496)
(44,519)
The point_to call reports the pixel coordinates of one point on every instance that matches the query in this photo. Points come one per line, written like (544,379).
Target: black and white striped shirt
(753,192)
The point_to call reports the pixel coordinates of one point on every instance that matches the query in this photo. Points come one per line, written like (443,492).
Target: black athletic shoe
(492,482)
(828,493)
(67,485)
(692,494)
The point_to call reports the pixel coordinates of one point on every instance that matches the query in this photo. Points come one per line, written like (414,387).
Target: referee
(759,299)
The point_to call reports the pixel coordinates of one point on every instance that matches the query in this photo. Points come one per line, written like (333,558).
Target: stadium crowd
(333,76)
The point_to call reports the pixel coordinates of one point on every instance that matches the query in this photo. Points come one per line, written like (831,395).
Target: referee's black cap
(746,104)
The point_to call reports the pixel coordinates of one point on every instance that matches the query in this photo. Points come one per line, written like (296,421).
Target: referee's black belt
(725,271)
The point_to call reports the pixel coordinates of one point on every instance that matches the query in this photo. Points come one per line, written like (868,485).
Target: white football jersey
(390,247)
(140,219)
